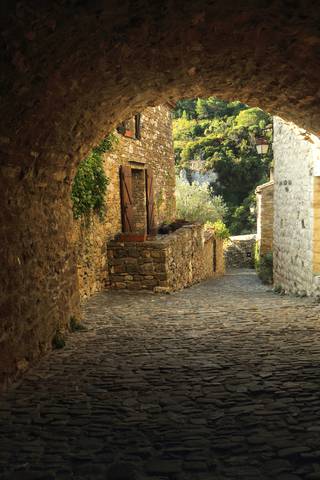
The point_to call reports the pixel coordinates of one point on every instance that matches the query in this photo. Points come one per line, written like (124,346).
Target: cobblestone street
(219,381)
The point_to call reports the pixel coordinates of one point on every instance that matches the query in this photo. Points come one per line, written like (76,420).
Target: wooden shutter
(137,120)
(126,198)
(150,202)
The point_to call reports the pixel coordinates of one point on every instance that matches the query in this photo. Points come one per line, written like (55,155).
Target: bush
(194,203)
(58,341)
(264,267)
(75,325)
(219,228)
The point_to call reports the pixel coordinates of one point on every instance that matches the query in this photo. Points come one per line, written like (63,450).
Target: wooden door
(151,230)
(126,199)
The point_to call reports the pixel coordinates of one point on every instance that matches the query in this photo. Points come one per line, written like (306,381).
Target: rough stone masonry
(153,150)
(71,71)
(296,209)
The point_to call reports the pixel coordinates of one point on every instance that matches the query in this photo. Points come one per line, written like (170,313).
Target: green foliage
(90,183)
(75,325)
(256,256)
(58,341)
(219,228)
(242,219)
(106,145)
(219,136)
(279,289)
(194,203)
(264,265)
(252,117)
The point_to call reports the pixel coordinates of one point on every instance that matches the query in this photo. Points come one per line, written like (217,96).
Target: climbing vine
(90,183)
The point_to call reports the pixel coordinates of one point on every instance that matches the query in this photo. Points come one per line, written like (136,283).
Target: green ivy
(90,183)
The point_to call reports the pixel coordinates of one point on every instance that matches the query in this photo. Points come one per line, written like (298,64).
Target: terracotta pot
(128,133)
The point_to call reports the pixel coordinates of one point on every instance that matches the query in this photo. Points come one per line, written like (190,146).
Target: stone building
(296,242)
(124,251)
(140,192)
(264,196)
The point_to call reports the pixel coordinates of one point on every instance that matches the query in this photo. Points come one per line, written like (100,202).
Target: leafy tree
(252,117)
(195,203)
(185,105)
(242,219)
(219,136)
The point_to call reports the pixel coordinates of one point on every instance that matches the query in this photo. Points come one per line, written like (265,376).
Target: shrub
(219,228)
(265,268)
(58,341)
(256,257)
(194,203)
(75,325)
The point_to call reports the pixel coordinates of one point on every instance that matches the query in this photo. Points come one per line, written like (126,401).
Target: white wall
(294,154)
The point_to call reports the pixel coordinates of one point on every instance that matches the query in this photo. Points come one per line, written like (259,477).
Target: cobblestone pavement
(219,381)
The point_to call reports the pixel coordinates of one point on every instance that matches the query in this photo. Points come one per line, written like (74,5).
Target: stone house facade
(142,162)
(296,242)
(265,215)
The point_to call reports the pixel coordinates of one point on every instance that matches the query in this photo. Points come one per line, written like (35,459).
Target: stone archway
(71,70)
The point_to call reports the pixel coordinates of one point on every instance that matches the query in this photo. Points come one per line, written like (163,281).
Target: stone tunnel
(72,69)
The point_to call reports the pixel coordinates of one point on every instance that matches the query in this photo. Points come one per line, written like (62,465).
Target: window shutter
(150,203)
(137,119)
(126,198)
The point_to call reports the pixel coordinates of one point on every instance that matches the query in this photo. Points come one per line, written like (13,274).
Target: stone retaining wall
(239,251)
(168,263)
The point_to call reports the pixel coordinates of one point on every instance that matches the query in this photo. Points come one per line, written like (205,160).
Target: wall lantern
(262,145)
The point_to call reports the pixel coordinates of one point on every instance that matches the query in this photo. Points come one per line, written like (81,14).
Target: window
(131,128)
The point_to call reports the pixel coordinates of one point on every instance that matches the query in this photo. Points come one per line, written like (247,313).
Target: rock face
(168,263)
(70,71)
(154,151)
(296,205)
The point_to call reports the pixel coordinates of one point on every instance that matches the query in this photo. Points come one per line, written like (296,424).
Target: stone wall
(170,262)
(71,71)
(239,251)
(153,150)
(265,213)
(295,153)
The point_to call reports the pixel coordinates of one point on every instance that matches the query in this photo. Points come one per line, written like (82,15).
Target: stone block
(133,252)
(119,268)
(160,268)
(147,268)
(133,268)
(162,289)
(131,260)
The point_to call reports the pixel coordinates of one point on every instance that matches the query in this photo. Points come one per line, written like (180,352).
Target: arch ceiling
(71,69)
